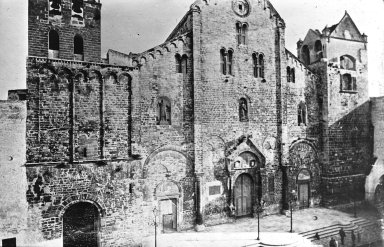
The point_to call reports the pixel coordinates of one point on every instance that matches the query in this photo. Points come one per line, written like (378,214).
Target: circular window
(241,7)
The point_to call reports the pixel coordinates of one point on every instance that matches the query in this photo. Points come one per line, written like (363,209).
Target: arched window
(178,63)
(293,76)
(78,47)
(229,62)
(347,62)
(244,34)
(163,111)
(243,110)
(184,64)
(238,32)
(77,14)
(261,66)
(53,44)
(305,55)
(255,65)
(223,61)
(289,74)
(54,8)
(302,114)
(319,49)
(348,83)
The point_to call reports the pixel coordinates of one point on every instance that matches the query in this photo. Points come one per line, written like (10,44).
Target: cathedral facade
(203,128)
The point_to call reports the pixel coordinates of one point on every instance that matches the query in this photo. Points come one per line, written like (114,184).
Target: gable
(346,29)
(311,37)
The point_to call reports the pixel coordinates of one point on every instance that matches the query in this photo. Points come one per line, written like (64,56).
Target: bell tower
(65,29)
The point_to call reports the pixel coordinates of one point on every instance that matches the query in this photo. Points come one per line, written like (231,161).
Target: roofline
(305,66)
(178,25)
(353,23)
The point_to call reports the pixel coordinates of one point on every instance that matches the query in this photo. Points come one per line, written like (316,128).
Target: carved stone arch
(151,56)
(159,53)
(373,180)
(244,144)
(81,75)
(84,197)
(46,67)
(95,74)
(66,73)
(181,41)
(311,143)
(176,190)
(177,149)
(167,48)
(110,77)
(173,45)
(143,60)
(121,76)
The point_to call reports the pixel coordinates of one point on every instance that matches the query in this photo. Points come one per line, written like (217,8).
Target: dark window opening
(9,242)
(53,44)
(78,48)
(261,66)
(223,61)
(77,9)
(229,62)
(178,63)
(184,64)
(240,7)
(305,55)
(163,111)
(288,74)
(293,76)
(241,33)
(319,49)
(302,114)
(348,83)
(243,110)
(255,65)
(271,184)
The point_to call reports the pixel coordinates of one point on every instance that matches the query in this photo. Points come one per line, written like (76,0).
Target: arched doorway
(168,195)
(243,195)
(303,184)
(81,223)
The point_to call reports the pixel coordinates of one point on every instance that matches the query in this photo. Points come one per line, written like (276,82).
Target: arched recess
(78,47)
(53,44)
(373,180)
(81,224)
(304,174)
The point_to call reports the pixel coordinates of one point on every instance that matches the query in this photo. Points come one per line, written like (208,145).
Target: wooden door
(243,195)
(304,195)
(168,214)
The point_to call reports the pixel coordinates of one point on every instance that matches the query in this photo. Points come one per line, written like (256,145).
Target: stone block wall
(39,25)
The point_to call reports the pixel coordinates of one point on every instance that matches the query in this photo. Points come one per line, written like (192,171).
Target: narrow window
(319,49)
(244,34)
(293,76)
(238,33)
(229,62)
(178,63)
(243,110)
(261,66)
(255,65)
(184,64)
(302,114)
(163,111)
(305,55)
(53,44)
(78,47)
(223,61)
(288,74)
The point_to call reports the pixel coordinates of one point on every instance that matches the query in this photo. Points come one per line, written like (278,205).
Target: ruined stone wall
(378,124)
(13,206)
(39,25)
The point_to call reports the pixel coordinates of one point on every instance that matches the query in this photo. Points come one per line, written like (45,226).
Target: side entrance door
(168,209)
(304,195)
(243,195)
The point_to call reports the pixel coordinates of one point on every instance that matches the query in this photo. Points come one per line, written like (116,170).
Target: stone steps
(356,225)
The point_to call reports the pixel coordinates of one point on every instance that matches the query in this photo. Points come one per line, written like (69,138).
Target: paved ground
(274,230)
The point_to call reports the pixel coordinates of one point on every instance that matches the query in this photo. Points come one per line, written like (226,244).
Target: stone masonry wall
(39,26)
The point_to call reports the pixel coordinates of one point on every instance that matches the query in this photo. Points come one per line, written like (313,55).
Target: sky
(137,25)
